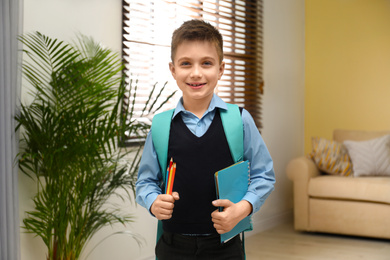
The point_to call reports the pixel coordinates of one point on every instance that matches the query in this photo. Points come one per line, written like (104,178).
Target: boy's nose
(196,72)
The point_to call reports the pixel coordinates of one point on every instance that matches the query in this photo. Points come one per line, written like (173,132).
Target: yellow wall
(347,66)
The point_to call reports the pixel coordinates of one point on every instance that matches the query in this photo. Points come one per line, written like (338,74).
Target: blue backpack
(232,125)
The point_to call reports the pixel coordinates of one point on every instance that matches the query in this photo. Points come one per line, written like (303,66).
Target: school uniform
(199,148)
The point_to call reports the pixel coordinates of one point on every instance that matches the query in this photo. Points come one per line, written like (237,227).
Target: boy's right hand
(162,207)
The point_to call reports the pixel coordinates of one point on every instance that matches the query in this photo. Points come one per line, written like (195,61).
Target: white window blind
(147,32)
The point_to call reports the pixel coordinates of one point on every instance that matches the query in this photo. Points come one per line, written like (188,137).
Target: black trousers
(173,246)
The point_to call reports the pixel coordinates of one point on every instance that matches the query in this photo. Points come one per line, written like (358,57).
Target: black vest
(197,159)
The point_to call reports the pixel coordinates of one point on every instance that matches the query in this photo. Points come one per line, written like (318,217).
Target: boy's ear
(172,69)
(221,70)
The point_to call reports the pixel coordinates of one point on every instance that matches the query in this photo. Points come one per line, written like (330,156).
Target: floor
(283,243)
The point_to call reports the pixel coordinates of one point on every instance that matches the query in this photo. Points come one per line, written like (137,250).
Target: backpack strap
(234,130)
(161,126)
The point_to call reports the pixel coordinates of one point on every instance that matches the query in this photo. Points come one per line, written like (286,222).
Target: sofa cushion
(371,157)
(373,189)
(331,157)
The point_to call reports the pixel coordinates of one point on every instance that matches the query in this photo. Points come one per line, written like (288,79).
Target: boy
(198,145)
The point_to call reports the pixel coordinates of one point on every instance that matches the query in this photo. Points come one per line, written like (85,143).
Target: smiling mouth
(197,85)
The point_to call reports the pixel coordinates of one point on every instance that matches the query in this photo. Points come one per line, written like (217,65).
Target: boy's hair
(197,30)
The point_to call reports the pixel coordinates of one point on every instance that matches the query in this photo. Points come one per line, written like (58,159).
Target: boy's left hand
(232,213)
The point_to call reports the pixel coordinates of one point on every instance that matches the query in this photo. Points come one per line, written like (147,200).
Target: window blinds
(147,30)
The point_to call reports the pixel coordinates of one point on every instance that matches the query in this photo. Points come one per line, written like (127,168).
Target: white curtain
(10,85)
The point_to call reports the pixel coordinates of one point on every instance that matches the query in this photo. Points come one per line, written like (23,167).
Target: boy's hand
(227,219)
(162,207)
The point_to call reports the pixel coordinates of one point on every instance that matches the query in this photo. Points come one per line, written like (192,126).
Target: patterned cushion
(331,157)
(370,157)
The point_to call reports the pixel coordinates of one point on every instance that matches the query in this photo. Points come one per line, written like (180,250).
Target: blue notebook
(232,183)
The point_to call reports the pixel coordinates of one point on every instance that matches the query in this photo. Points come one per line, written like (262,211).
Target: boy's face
(196,69)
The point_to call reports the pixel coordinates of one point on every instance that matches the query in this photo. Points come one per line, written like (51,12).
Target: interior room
(325,67)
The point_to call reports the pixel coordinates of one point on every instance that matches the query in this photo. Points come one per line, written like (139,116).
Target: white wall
(101,19)
(283,103)
(283,108)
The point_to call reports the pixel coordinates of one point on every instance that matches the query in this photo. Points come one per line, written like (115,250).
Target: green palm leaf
(70,141)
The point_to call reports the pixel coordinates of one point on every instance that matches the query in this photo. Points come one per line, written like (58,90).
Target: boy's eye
(185,63)
(207,63)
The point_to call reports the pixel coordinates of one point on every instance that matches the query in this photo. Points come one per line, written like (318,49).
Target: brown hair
(197,30)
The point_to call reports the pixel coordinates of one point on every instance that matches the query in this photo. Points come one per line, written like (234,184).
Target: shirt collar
(216,102)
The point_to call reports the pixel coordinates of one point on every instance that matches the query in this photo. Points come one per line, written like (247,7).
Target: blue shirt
(262,176)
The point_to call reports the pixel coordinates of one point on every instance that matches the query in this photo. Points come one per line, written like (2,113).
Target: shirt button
(198,124)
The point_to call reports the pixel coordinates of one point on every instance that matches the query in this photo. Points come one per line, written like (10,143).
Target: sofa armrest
(300,170)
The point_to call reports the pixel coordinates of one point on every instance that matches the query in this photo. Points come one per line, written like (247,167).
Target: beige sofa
(335,204)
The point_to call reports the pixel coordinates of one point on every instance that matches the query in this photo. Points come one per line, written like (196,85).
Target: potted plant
(70,141)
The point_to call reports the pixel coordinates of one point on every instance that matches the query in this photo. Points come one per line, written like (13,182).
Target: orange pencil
(171,179)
